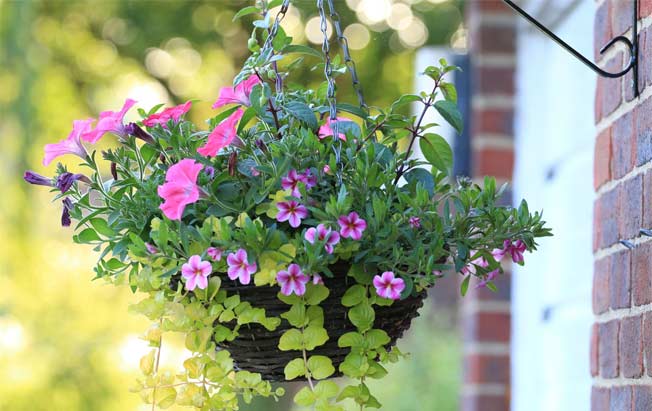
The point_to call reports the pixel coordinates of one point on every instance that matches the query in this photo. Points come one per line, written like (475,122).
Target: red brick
(594,353)
(610,88)
(620,285)
(623,143)
(647,341)
(488,38)
(630,208)
(644,8)
(621,398)
(647,200)
(597,109)
(600,399)
(494,162)
(621,16)
(489,5)
(481,368)
(601,28)
(631,347)
(642,274)
(605,219)
(601,295)
(608,349)
(485,403)
(643,119)
(645,49)
(495,121)
(494,80)
(602,159)
(486,327)
(642,398)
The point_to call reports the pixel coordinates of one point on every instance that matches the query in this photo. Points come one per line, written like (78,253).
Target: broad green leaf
(450,113)
(305,397)
(354,365)
(147,362)
(376,338)
(295,368)
(298,48)
(291,340)
(165,397)
(296,316)
(354,295)
(314,336)
(320,367)
(245,11)
(315,293)
(403,100)
(102,227)
(437,151)
(351,339)
(450,93)
(326,389)
(87,235)
(303,113)
(419,175)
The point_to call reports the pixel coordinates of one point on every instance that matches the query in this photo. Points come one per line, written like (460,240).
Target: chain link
(271,34)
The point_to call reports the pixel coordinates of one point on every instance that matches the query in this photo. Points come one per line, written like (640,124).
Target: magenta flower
(327,169)
(321,233)
(37,179)
(309,179)
(292,281)
(387,286)
(196,273)
(415,222)
(292,212)
(490,277)
(180,188)
(172,113)
(238,94)
(239,266)
(352,226)
(214,253)
(65,180)
(326,130)
(515,249)
(135,130)
(71,145)
(471,267)
(150,248)
(316,279)
(222,135)
(65,214)
(291,181)
(110,122)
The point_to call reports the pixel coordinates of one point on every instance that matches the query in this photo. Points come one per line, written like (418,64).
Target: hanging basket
(256,349)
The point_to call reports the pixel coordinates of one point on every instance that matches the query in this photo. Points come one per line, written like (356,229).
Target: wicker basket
(256,349)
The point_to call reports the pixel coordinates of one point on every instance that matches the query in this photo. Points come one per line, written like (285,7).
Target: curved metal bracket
(632,46)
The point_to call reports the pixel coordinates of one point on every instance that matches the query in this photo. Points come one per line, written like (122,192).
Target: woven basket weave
(256,349)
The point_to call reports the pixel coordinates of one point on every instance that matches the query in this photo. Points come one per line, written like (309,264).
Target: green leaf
(354,365)
(303,113)
(245,11)
(351,339)
(314,336)
(296,316)
(464,287)
(450,113)
(315,315)
(295,368)
(350,108)
(326,389)
(320,367)
(449,91)
(362,316)
(305,397)
(437,151)
(298,48)
(376,338)
(291,340)
(102,227)
(403,100)
(87,235)
(419,175)
(315,293)
(354,295)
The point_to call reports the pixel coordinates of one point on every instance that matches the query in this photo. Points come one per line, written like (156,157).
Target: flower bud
(233,162)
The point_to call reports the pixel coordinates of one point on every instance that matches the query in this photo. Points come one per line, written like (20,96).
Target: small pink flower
(387,286)
(196,273)
(321,233)
(437,273)
(490,277)
(471,267)
(292,212)
(254,171)
(352,226)
(326,130)
(327,169)
(150,248)
(180,188)
(222,135)
(71,145)
(498,254)
(238,94)
(317,280)
(291,181)
(239,266)
(172,113)
(110,122)
(292,281)
(214,253)
(309,179)
(515,249)
(415,222)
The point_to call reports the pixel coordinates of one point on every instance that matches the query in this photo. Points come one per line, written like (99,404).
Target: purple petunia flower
(65,180)
(65,214)
(37,179)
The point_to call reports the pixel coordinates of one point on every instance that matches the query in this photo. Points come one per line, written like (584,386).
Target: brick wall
(485,316)
(621,338)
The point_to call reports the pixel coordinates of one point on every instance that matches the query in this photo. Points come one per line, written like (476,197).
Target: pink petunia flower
(222,135)
(71,145)
(321,233)
(110,122)
(172,113)
(415,222)
(238,94)
(196,273)
(327,169)
(292,212)
(214,253)
(180,188)
(292,281)
(490,277)
(291,181)
(316,279)
(387,286)
(239,266)
(515,249)
(352,226)
(326,130)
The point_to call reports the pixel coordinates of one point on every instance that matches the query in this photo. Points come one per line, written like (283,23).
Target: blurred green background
(67,343)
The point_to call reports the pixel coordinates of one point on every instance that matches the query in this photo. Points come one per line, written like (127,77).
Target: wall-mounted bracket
(632,46)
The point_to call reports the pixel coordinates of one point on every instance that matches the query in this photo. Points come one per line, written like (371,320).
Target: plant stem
(272,109)
(156,364)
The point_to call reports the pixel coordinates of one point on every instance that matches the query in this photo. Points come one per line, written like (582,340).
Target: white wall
(554,171)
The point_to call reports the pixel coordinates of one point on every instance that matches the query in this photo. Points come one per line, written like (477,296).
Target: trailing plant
(279,193)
